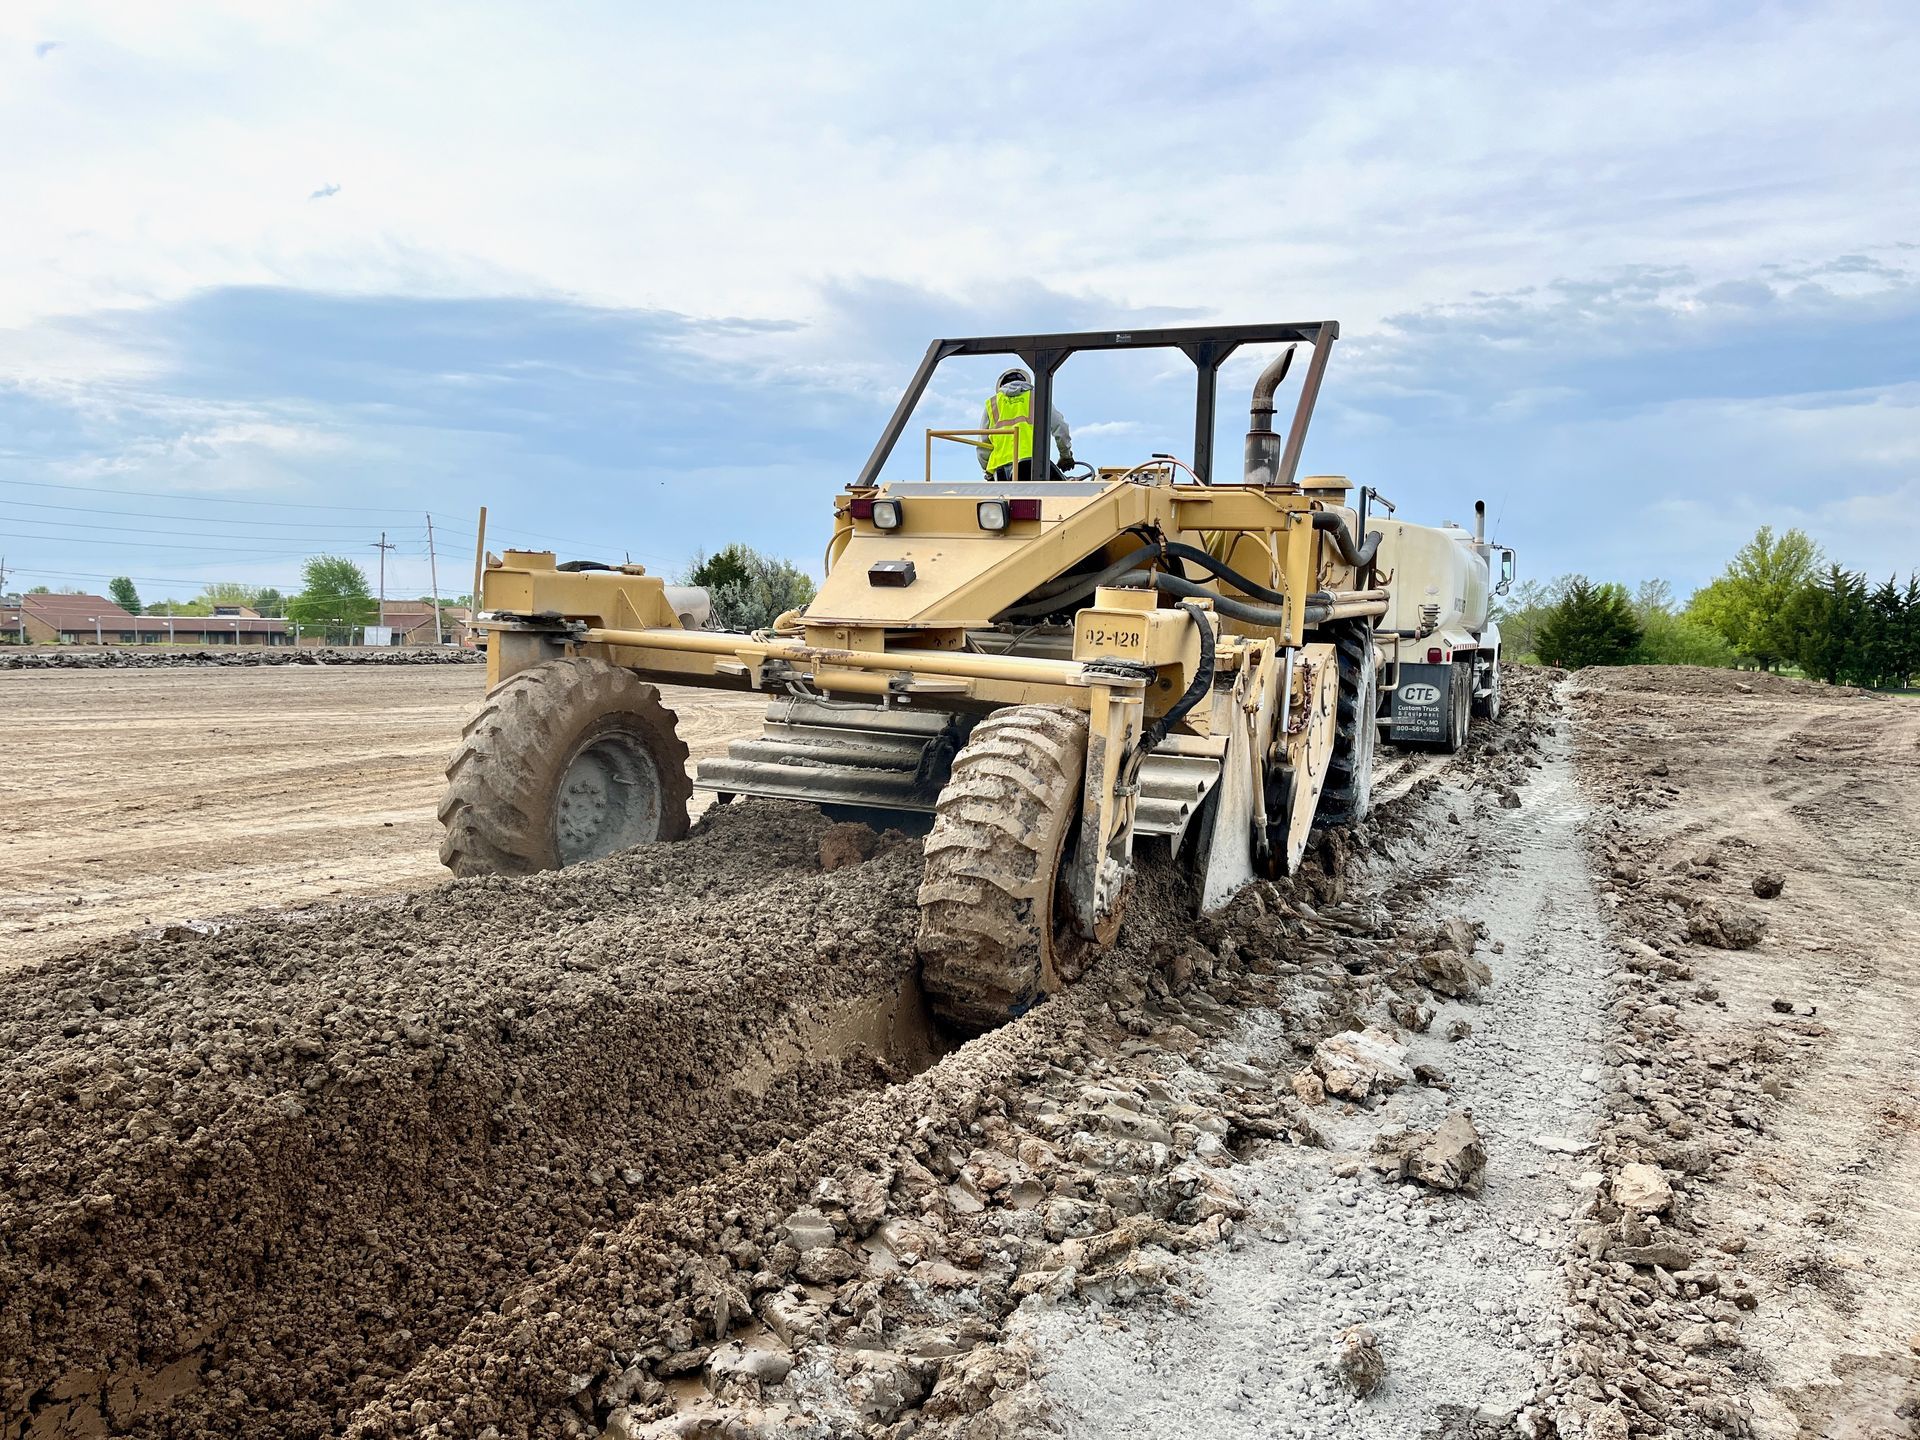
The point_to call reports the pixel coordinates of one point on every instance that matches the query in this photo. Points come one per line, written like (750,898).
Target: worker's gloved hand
(1066,459)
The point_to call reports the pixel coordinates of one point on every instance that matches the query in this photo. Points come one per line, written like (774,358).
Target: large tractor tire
(566,761)
(994,934)
(1347,795)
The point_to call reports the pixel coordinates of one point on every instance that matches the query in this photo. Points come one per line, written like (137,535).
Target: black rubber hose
(1156,731)
(1359,556)
(1319,604)
(1057,594)
(1221,570)
(1082,586)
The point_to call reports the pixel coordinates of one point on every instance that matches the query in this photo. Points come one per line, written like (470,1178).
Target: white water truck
(1443,580)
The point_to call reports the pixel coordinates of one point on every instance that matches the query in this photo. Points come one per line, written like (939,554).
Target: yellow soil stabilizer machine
(1058,672)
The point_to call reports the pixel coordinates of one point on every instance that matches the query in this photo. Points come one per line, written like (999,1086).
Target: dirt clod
(1360,1363)
(1725,926)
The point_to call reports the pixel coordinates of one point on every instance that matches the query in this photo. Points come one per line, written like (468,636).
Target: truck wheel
(993,940)
(1459,706)
(1347,794)
(1487,707)
(566,761)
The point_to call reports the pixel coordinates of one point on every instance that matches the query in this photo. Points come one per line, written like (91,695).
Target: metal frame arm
(1207,346)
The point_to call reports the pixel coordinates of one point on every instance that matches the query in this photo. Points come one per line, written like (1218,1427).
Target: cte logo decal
(1420,694)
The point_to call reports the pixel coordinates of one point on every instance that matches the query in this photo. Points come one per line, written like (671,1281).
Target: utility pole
(383,547)
(433,576)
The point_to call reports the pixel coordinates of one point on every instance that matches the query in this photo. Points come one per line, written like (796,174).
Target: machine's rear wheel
(993,938)
(1347,794)
(566,761)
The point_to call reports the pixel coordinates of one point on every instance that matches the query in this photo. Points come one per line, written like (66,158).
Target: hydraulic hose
(1080,587)
(1359,556)
(1057,594)
(1317,607)
(1156,730)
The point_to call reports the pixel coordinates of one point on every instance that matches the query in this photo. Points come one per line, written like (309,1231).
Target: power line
(152,515)
(143,579)
(148,530)
(144,545)
(209,499)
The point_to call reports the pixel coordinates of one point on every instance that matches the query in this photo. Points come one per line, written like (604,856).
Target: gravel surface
(1460,1293)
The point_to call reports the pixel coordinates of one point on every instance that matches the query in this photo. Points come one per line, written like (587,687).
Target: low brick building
(412,623)
(96,620)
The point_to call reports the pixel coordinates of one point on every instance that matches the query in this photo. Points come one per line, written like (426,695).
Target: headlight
(993,514)
(886,514)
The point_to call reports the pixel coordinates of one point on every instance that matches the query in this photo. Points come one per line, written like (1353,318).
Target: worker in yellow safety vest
(1008,453)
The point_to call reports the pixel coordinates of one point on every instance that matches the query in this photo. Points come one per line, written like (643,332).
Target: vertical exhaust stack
(1479,522)
(1263,446)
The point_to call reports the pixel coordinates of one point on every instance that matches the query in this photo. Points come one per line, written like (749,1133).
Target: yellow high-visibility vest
(1012,417)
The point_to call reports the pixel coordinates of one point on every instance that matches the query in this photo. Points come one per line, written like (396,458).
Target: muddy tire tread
(1347,794)
(991,859)
(496,816)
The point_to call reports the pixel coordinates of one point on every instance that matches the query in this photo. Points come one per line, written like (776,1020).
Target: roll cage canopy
(1207,346)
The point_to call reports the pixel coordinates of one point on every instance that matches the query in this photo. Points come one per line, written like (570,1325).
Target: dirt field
(136,797)
(1518,1113)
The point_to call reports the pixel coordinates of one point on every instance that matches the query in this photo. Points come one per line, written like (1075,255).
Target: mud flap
(1310,740)
(1229,868)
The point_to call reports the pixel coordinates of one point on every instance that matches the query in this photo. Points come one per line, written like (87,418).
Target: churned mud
(1570,1096)
(252,1174)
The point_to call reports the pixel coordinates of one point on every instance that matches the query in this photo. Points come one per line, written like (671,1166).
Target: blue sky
(1643,276)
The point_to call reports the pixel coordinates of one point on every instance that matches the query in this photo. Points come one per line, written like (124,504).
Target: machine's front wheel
(994,933)
(566,761)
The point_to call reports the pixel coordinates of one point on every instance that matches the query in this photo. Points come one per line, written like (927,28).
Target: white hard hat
(1016,373)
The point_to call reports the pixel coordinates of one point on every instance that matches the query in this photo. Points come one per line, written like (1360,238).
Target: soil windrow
(251,1176)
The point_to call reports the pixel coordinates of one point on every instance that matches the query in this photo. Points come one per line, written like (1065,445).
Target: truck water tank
(1439,581)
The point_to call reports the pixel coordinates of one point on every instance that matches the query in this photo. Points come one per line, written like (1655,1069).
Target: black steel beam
(1208,346)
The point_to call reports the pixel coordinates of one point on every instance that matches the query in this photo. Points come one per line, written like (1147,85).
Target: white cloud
(642,156)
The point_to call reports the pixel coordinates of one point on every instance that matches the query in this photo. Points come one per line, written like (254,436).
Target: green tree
(334,597)
(1522,613)
(270,603)
(1910,632)
(1753,602)
(229,592)
(179,607)
(1590,625)
(39,590)
(1670,638)
(1829,621)
(749,590)
(120,590)
(1885,649)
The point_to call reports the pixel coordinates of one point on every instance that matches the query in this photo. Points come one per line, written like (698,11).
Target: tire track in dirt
(1774,1083)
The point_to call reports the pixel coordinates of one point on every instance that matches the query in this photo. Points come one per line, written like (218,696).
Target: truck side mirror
(1506,573)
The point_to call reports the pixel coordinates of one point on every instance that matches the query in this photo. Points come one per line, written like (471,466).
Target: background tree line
(1779,603)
